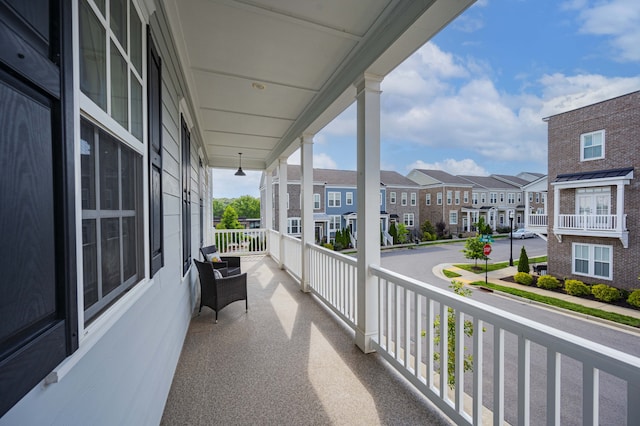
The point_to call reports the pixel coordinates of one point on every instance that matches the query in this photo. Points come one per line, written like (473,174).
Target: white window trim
(290,221)
(591,261)
(392,197)
(408,217)
(337,199)
(403,199)
(414,199)
(582,136)
(348,198)
(427,199)
(453,212)
(316,201)
(439,198)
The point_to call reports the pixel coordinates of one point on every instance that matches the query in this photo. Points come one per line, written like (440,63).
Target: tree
(440,229)
(474,249)
(483,227)
(219,204)
(523,262)
(428,231)
(247,206)
(393,231)
(229,219)
(402,233)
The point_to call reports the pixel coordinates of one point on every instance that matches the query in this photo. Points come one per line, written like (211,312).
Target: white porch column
(368,102)
(306,162)
(283,212)
(526,209)
(619,206)
(556,207)
(468,221)
(268,199)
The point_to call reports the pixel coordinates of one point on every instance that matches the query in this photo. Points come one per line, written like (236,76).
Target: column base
(363,341)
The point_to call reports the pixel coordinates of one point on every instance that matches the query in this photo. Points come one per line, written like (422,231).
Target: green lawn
(495,266)
(450,274)
(611,316)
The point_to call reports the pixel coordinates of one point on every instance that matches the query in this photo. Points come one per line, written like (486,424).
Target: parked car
(523,233)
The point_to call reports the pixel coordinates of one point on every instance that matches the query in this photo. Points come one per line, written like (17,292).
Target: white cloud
(323,161)
(619,19)
(452,166)
(227,185)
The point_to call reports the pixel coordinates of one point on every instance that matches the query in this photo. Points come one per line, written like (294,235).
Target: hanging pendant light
(240,172)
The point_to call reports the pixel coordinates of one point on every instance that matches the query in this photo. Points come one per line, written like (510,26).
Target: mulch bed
(622,302)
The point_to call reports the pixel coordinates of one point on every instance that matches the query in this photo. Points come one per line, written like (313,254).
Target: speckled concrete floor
(287,361)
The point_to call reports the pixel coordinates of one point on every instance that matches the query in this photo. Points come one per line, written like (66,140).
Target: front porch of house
(286,361)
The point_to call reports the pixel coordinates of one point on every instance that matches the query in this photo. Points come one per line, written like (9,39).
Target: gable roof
(514,180)
(488,182)
(443,177)
(392,178)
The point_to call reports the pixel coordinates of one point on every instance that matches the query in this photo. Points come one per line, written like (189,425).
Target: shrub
(634,298)
(524,278)
(605,293)
(328,246)
(548,282)
(523,262)
(576,288)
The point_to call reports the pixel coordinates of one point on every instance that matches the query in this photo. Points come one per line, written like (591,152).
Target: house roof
(514,180)
(598,174)
(489,182)
(444,177)
(335,177)
(391,178)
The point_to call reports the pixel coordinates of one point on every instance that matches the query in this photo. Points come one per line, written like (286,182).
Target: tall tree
(229,219)
(247,206)
(473,249)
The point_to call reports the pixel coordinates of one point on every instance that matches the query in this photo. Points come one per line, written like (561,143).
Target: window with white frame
(474,199)
(493,198)
(334,199)
(453,217)
(112,237)
(334,223)
(414,199)
(316,201)
(439,198)
(592,146)
(465,197)
(456,198)
(408,220)
(593,201)
(502,197)
(519,197)
(381,198)
(392,197)
(348,198)
(449,197)
(531,197)
(403,199)
(483,197)
(511,198)
(592,260)
(293,226)
(537,197)
(427,199)
(111,60)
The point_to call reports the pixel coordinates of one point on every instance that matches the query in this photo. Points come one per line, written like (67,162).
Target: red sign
(486,249)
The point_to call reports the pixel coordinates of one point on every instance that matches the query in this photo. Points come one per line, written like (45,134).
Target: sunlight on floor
(265,275)
(336,385)
(287,316)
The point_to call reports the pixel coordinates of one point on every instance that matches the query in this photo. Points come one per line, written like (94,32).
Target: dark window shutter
(156,231)
(38,308)
(186,196)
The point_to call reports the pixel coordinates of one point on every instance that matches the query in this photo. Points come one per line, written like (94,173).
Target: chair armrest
(220,265)
(232,261)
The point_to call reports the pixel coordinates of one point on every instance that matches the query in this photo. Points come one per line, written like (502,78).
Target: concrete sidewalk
(496,277)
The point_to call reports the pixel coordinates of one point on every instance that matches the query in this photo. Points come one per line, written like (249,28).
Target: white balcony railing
(538,220)
(240,241)
(591,222)
(293,255)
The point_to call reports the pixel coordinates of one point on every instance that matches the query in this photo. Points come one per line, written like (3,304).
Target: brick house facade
(594,198)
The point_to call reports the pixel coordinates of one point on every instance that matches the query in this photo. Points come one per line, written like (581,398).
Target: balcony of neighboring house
(536,218)
(592,204)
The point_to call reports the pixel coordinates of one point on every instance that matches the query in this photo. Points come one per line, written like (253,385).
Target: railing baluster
(524,380)
(417,309)
(407,328)
(459,361)
(444,352)
(498,375)
(553,387)
(590,394)
(430,344)
(477,370)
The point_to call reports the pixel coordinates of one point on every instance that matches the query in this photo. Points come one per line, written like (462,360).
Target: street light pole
(511,237)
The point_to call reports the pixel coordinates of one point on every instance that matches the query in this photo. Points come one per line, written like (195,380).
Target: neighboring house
(593,194)
(443,198)
(336,198)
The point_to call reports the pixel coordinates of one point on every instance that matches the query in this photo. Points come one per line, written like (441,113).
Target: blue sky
(473,99)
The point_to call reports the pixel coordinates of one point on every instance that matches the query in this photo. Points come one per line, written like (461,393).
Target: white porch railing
(538,220)
(240,241)
(333,279)
(523,351)
(594,222)
(273,244)
(293,256)
(387,239)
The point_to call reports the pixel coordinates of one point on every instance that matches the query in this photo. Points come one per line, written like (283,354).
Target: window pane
(582,266)
(129,253)
(128,161)
(136,107)
(110,255)
(88,166)
(119,101)
(109,191)
(135,52)
(601,269)
(118,20)
(93,57)
(100,4)
(89,262)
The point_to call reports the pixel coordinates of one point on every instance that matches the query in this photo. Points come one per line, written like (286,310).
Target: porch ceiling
(261,73)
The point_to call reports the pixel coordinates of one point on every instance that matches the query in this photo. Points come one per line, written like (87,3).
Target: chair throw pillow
(217,274)
(213,257)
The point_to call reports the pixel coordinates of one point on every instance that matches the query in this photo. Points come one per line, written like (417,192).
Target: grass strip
(480,269)
(611,316)
(450,274)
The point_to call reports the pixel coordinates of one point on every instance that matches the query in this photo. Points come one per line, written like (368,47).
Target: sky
(472,100)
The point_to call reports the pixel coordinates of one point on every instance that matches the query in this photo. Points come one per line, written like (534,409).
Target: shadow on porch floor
(286,361)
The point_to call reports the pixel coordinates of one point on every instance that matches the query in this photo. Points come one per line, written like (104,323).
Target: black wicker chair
(229,265)
(217,293)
